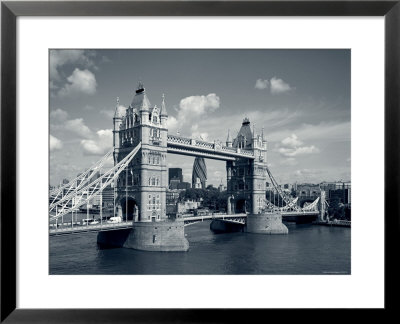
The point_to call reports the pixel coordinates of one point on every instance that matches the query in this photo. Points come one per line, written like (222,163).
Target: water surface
(307,249)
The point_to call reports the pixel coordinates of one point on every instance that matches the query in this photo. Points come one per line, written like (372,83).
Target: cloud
(59,58)
(198,134)
(172,123)
(291,147)
(292,141)
(58,115)
(196,106)
(192,109)
(261,84)
(80,81)
(55,143)
(100,145)
(275,85)
(78,126)
(279,86)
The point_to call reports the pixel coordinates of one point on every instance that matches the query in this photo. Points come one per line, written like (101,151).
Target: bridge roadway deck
(90,228)
(187,220)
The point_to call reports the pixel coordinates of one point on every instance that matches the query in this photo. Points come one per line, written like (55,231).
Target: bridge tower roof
(140,100)
(245,135)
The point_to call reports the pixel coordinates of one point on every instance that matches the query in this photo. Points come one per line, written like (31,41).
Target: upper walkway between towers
(216,150)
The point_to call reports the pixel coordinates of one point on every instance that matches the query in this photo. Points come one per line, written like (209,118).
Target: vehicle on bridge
(116,219)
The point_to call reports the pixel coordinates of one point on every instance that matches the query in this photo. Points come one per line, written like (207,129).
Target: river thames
(307,249)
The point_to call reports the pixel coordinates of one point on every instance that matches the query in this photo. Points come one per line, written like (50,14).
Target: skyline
(300,97)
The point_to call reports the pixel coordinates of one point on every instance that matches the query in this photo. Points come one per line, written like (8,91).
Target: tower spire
(140,87)
(229,139)
(163,107)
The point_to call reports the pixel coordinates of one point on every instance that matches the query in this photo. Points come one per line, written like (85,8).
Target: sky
(300,97)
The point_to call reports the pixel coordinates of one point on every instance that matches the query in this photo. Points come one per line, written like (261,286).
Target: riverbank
(340,223)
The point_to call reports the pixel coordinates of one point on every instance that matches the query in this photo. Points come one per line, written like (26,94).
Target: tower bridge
(141,144)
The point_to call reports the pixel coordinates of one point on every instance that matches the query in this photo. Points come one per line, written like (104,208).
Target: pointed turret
(163,107)
(119,115)
(163,113)
(120,111)
(229,140)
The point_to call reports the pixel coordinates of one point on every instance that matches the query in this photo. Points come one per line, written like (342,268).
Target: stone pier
(266,223)
(166,236)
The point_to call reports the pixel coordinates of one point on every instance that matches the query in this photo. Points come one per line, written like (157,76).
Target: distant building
(308,190)
(184,185)
(187,206)
(172,197)
(338,190)
(108,196)
(175,174)
(199,174)
(173,184)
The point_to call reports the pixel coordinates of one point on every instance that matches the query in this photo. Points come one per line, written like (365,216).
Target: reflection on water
(308,249)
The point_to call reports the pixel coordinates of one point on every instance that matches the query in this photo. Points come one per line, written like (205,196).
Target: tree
(336,209)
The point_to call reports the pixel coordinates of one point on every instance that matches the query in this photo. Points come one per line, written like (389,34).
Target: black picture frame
(10,10)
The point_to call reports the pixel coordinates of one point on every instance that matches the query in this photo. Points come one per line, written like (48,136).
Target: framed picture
(270,110)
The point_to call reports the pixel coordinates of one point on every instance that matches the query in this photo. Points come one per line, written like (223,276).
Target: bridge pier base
(165,236)
(266,223)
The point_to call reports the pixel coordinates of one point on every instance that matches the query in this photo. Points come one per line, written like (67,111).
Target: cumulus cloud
(58,115)
(80,81)
(99,145)
(275,85)
(261,84)
(55,143)
(290,147)
(279,86)
(78,127)
(58,58)
(292,141)
(197,134)
(192,109)
(196,106)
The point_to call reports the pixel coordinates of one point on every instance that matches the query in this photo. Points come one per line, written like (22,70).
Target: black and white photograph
(199,161)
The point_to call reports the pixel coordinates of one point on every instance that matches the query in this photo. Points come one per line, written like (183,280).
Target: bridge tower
(246,178)
(141,188)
